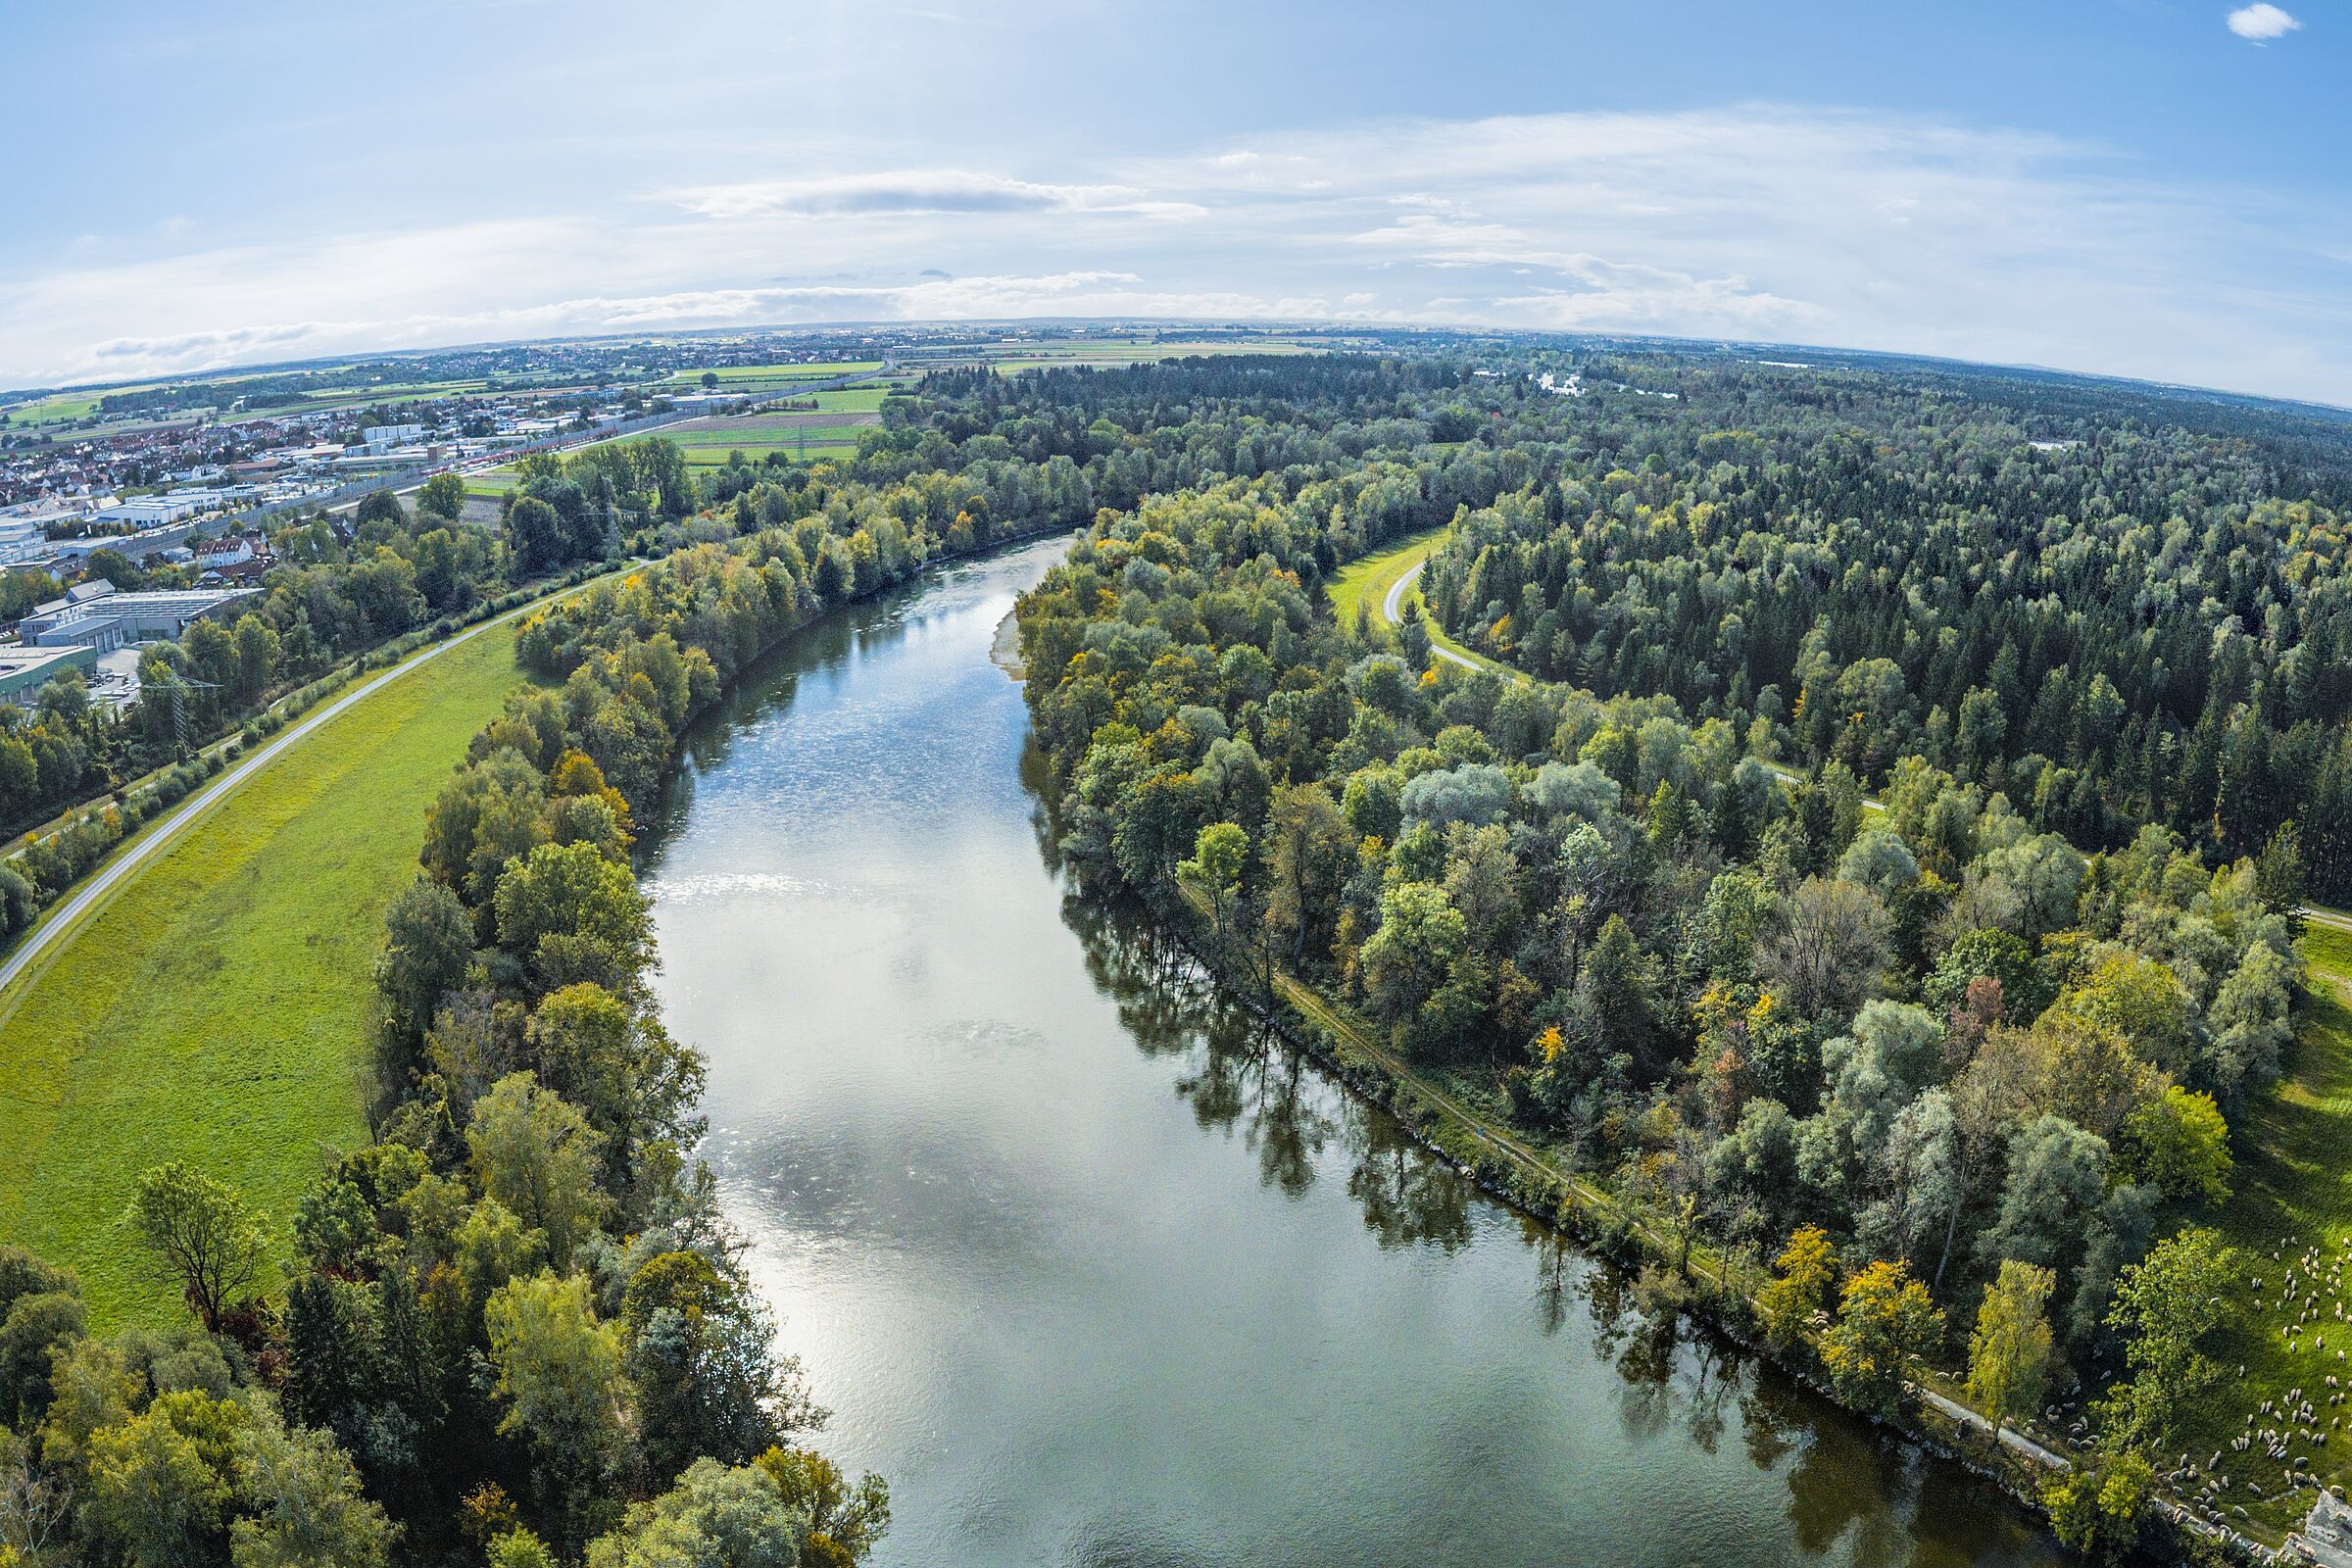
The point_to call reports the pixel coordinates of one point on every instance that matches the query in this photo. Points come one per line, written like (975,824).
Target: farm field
(708,441)
(57,407)
(68,407)
(1113,354)
(216,1007)
(854,399)
(1010,357)
(753,377)
(360,397)
(833,426)
(712,451)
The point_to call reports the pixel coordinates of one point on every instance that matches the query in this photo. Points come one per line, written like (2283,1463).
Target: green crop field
(217,1008)
(737,376)
(360,397)
(851,399)
(832,428)
(1054,354)
(764,426)
(707,442)
(55,407)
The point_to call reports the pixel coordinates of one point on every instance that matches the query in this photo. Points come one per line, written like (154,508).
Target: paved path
(2011,1440)
(1391,609)
(94,892)
(2334,919)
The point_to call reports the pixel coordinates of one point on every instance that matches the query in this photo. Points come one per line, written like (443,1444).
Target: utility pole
(177,688)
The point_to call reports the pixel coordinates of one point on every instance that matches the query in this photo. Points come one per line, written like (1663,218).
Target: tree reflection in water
(1851,1495)
(1241,1076)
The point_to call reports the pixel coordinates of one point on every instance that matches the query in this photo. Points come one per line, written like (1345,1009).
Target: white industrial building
(96,616)
(153,511)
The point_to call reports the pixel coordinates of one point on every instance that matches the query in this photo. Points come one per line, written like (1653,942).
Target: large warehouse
(24,670)
(112,620)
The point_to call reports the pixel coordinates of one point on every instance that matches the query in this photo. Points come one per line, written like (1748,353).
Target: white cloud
(1757,221)
(2262,23)
(915,191)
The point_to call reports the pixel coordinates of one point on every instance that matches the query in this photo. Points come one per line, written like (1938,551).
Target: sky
(2152,188)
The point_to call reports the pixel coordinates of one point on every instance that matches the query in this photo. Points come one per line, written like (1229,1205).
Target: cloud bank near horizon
(1756,221)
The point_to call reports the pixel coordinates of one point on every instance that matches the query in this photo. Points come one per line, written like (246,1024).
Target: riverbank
(2288,1191)
(1093,1266)
(1683,1273)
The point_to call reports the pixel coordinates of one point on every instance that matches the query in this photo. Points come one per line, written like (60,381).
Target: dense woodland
(2111,621)
(1953,1026)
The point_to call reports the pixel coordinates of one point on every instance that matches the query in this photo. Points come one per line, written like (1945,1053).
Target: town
(149,470)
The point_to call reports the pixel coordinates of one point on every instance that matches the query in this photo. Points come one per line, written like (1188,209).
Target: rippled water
(1094,1272)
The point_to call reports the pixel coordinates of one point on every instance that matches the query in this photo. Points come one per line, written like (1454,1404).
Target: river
(1095,1273)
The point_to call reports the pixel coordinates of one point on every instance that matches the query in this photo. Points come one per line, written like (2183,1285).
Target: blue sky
(2139,187)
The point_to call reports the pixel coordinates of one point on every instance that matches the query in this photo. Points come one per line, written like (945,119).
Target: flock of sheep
(2279,1428)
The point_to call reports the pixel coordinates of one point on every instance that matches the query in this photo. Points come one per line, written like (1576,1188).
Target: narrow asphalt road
(62,918)
(1392,606)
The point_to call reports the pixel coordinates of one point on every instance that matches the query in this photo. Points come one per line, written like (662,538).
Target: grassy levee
(216,1007)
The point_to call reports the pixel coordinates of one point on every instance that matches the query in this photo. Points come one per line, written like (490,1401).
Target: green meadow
(216,1007)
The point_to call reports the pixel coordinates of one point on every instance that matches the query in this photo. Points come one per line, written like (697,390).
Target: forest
(2112,622)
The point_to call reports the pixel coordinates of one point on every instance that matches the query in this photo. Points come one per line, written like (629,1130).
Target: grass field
(707,443)
(1369,579)
(1008,358)
(79,408)
(1114,353)
(51,410)
(851,399)
(361,396)
(2293,1183)
(216,1009)
(742,378)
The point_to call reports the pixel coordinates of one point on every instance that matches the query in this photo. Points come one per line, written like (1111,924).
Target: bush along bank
(1670,1271)
(1896,1059)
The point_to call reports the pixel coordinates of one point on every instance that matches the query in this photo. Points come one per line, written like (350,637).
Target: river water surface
(1098,1275)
